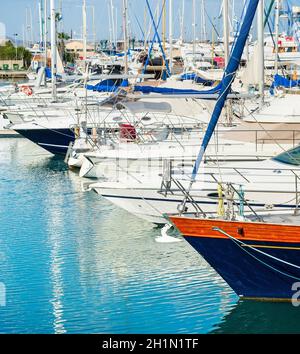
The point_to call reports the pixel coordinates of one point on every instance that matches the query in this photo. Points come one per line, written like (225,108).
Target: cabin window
(214,195)
(146,118)
(117,119)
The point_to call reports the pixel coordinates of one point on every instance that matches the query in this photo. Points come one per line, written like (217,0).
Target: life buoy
(27,90)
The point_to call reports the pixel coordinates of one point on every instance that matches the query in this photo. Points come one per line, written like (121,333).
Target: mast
(27,27)
(247,44)
(94,27)
(113,23)
(31,29)
(40,6)
(194,30)
(212,46)
(164,24)
(228,111)
(276,35)
(171,34)
(84,33)
(53,49)
(261,53)
(182,21)
(203,22)
(125,28)
(109,25)
(116,26)
(226,31)
(45,34)
(145,27)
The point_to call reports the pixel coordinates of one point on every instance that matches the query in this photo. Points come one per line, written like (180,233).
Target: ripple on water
(74,263)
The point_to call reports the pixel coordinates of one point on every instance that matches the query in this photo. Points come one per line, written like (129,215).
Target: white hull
(152,205)
(267,186)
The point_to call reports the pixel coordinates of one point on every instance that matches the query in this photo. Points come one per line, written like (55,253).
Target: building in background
(75,47)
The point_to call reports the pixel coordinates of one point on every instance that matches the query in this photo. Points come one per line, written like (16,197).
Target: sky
(13,15)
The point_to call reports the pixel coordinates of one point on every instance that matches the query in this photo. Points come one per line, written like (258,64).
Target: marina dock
(5,133)
(11,74)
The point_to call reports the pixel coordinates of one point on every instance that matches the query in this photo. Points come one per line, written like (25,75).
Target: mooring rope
(239,243)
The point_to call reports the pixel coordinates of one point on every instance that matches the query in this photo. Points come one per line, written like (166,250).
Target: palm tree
(62,37)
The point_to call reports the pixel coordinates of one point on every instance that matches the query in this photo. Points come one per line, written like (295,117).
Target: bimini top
(140,106)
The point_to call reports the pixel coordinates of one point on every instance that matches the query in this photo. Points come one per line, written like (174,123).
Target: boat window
(117,119)
(290,157)
(146,118)
(214,195)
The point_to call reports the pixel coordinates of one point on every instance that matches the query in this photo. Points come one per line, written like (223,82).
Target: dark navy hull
(249,271)
(55,141)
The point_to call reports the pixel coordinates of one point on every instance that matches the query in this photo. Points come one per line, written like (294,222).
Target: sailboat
(257,256)
(268,187)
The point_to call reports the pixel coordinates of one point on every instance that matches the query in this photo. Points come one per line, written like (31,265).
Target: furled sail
(250,75)
(170,91)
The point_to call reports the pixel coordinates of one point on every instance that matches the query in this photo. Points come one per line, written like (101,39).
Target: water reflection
(74,263)
(54,219)
(260,317)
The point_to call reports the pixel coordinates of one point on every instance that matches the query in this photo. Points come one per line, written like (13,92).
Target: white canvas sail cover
(250,75)
(210,75)
(60,67)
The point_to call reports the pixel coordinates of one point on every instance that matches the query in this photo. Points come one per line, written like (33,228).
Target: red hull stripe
(245,231)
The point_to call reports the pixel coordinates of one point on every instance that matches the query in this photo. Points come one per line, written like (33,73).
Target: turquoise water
(73,263)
